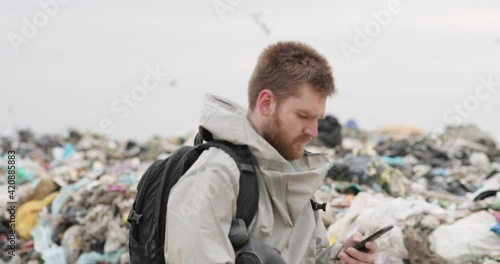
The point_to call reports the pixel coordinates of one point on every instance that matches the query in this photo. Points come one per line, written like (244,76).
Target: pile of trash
(73,195)
(440,191)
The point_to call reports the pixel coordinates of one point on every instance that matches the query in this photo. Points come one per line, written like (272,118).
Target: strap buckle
(134,216)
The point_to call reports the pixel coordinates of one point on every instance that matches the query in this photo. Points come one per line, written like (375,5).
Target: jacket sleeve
(324,252)
(200,209)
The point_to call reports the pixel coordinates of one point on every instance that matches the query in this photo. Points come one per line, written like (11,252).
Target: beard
(276,134)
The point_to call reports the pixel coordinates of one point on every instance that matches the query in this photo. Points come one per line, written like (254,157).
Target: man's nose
(312,129)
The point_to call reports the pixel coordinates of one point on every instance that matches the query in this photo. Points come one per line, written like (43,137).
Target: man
(287,95)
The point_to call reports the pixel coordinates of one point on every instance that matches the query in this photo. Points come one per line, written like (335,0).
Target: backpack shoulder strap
(248,197)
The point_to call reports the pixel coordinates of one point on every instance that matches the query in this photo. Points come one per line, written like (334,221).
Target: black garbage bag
(330,131)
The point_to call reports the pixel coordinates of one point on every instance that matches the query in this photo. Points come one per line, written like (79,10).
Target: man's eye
(303,116)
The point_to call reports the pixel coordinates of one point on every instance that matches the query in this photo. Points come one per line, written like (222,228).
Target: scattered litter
(440,191)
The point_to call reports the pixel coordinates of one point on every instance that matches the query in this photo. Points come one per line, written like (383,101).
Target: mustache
(303,138)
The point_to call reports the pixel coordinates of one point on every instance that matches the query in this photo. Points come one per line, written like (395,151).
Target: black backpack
(147,216)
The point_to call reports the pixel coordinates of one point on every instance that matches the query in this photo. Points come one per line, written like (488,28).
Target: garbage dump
(440,191)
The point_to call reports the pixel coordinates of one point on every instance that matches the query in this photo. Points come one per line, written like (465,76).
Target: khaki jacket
(203,203)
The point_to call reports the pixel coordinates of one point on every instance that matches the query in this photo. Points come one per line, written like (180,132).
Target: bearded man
(287,95)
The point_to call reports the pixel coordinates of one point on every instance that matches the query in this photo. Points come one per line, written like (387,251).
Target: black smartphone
(361,245)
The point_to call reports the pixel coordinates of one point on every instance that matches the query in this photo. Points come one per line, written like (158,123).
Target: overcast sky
(71,66)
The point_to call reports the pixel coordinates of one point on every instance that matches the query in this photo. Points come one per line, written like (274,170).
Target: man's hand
(350,255)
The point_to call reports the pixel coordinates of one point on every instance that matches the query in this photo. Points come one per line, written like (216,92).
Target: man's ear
(265,102)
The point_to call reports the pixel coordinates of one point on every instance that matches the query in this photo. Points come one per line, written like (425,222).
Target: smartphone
(361,245)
